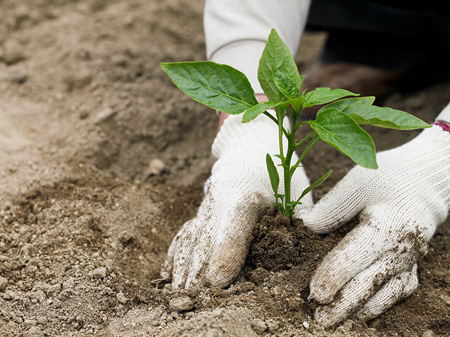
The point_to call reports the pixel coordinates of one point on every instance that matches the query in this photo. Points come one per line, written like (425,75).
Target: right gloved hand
(211,248)
(401,205)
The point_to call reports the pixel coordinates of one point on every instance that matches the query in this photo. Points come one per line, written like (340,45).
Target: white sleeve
(445,114)
(236,31)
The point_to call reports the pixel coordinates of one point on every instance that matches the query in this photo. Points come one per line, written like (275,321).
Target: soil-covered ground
(102,160)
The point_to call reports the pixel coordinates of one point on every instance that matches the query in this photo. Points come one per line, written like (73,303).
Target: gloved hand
(211,248)
(402,202)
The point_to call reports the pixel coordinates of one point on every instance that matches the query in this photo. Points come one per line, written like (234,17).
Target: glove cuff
(444,115)
(444,125)
(428,155)
(259,135)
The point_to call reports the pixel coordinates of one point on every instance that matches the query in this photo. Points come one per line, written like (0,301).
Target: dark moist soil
(102,160)
(280,244)
(295,252)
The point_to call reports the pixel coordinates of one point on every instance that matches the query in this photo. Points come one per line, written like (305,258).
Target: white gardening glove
(211,248)
(402,202)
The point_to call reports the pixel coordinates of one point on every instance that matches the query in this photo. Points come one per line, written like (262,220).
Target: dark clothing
(401,35)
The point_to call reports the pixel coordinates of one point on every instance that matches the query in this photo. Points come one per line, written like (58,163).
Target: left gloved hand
(210,249)
(402,202)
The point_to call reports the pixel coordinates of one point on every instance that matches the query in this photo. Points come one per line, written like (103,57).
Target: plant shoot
(337,123)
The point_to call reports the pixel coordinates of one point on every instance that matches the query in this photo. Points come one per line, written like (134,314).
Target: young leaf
(343,103)
(283,160)
(314,140)
(273,174)
(256,110)
(325,95)
(340,131)
(296,103)
(217,86)
(285,85)
(302,78)
(276,56)
(315,184)
(385,117)
(293,204)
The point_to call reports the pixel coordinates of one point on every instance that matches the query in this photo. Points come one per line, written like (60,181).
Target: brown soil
(87,211)
(279,245)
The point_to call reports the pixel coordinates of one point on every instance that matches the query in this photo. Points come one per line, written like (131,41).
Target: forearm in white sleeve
(236,31)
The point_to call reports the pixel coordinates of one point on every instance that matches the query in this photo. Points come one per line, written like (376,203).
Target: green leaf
(283,160)
(254,111)
(343,103)
(285,85)
(296,103)
(217,86)
(302,78)
(385,117)
(315,184)
(273,174)
(340,131)
(293,204)
(276,57)
(324,95)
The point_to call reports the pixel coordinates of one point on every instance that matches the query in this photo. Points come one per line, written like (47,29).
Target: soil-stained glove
(402,202)
(211,248)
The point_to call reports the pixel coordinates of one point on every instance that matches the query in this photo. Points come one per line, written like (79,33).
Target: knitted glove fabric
(211,248)
(401,204)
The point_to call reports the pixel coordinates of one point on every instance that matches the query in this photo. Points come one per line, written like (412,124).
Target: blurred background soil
(102,160)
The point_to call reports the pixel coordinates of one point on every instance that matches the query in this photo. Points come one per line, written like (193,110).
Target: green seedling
(337,123)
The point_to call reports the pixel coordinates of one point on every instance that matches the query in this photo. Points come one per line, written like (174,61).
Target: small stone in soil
(13,52)
(444,297)
(258,325)
(104,115)
(18,77)
(3,283)
(272,325)
(155,167)
(9,295)
(99,272)
(121,298)
(428,333)
(179,304)
(54,290)
(34,331)
(109,264)
(259,275)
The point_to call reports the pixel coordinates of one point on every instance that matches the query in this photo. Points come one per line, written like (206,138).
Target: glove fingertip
(167,266)
(324,317)
(320,292)
(327,280)
(315,221)
(178,280)
(222,270)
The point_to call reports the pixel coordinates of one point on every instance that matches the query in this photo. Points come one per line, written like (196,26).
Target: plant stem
(279,119)
(276,122)
(287,175)
(280,136)
(287,183)
(286,205)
